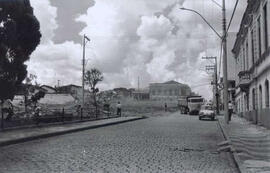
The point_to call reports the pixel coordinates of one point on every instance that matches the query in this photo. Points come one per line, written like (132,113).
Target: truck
(194,104)
(183,104)
(190,104)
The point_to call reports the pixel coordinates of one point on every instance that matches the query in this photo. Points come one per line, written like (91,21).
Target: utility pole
(225,77)
(85,38)
(138,83)
(224,41)
(216,95)
(58,83)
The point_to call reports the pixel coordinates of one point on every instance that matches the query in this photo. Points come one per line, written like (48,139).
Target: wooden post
(81,113)
(2,115)
(63,114)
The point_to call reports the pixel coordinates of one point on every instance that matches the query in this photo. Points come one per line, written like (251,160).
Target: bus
(194,104)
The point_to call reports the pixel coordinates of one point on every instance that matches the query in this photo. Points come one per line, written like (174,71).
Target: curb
(236,159)
(54,124)
(46,135)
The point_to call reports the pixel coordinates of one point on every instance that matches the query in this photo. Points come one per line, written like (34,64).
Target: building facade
(170,91)
(74,90)
(251,51)
(141,94)
(123,92)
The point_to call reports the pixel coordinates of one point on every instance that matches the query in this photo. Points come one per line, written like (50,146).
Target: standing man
(79,107)
(230,106)
(8,108)
(165,107)
(118,106)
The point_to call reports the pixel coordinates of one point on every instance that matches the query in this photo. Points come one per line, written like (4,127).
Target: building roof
(70,85)
(47,86)
(171,82)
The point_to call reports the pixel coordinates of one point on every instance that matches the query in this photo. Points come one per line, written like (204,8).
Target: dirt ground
(146,107)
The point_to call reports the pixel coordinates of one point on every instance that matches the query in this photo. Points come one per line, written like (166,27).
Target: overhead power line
(234,9)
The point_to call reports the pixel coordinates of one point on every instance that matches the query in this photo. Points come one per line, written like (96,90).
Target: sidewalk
(28,134)
(250,144)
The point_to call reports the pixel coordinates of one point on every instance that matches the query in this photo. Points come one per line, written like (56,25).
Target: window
(260,97)
(198,100)
(247,59)
(248,101)
(265,26)
(259,36)
(253,99)
(244,59)
(267,94)
(252,47)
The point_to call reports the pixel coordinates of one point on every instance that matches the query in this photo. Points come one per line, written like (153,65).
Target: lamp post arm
(204,20)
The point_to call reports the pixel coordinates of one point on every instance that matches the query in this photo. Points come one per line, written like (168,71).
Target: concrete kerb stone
(237,160)
(51,134)
(53,124)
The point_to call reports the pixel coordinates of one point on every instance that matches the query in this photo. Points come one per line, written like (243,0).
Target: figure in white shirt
(118,106)
(230,106)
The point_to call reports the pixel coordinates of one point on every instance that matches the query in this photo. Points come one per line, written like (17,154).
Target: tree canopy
(19,37)
(92,78)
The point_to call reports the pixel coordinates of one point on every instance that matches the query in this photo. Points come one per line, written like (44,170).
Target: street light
(187,9)
(224,41)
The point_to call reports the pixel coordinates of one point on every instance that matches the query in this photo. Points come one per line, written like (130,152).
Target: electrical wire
(206,84)
(220,59)
(234,9)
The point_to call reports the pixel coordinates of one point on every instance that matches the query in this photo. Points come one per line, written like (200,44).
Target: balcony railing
(244,80)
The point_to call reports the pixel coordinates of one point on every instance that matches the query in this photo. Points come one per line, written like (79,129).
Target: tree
(36,97)
(92,78)
(29,88)
(19,37)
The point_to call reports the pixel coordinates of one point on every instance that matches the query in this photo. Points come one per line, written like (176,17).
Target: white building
(170,91)
(251,50)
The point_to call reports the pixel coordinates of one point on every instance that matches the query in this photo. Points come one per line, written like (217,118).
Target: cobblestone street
(175,143)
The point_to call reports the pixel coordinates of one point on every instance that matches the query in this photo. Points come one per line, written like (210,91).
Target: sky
(149,39)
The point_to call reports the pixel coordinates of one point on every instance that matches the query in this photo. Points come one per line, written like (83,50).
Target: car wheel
(213,118)
(200,118)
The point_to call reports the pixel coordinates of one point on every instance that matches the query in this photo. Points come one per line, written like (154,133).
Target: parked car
(207,111)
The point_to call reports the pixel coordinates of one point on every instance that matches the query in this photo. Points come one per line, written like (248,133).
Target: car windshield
(206,107)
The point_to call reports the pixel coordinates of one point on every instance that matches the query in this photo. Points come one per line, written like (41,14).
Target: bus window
(195,100)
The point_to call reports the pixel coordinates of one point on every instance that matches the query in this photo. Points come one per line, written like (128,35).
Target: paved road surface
(175,143)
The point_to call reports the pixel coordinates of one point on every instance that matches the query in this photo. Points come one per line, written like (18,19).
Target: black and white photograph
(134,86)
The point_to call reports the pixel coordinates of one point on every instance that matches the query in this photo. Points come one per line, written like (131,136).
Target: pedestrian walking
(230,106)
(8,108)
(118,106)
(79,109)
(37,114)
(165,106)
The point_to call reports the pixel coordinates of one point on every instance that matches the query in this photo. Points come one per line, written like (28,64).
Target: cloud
(46,14)
(152,40)
(50,61)
(67,11)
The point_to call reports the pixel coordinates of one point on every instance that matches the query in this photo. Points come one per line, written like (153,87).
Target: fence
(55,116)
